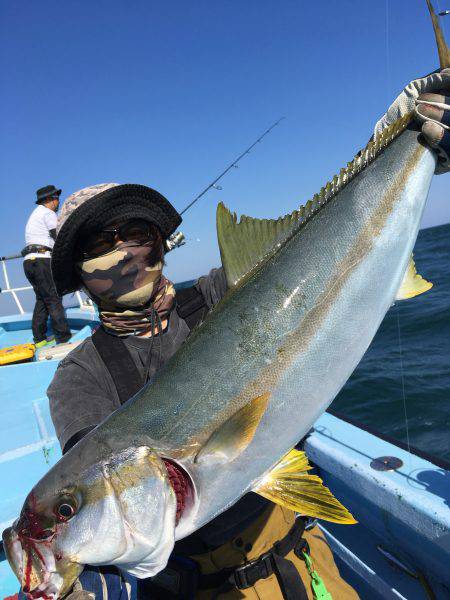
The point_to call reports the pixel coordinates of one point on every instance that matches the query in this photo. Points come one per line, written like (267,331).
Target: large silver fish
(307,294)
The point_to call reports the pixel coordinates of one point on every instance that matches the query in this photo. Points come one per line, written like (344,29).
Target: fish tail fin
(289,485)
(443,50)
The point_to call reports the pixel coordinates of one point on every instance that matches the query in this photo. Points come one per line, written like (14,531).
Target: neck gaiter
(127,290)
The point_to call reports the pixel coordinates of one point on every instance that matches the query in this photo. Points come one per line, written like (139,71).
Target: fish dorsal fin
(233,436)
(413,284)
(289,485)
(247,243)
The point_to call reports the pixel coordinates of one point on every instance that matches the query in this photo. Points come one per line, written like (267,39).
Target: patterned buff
(126,289)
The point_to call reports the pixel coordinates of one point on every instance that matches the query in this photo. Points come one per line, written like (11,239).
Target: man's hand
(433,111)
(429,98)
(77,593)
(80,595)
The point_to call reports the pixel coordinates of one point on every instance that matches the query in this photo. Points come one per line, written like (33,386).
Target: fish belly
(296,329)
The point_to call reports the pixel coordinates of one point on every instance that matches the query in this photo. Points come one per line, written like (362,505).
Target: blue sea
(402,384)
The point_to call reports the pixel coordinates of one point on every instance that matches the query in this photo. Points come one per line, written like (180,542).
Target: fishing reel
(175,240)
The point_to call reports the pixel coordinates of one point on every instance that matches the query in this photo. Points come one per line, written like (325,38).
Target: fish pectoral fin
(289,485)
(233,436)
(413,284)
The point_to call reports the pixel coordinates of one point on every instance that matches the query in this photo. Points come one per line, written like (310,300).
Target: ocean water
(406,370)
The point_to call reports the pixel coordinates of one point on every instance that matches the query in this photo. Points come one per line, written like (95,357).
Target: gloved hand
(102,583)
(77,593)
(80,595)
(429,98)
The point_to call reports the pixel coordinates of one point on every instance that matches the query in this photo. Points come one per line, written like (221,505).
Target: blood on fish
(26,587)
(29,546)
(30,522)
(30,530)
(181,485)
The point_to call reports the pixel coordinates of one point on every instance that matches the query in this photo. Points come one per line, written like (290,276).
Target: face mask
(121,278)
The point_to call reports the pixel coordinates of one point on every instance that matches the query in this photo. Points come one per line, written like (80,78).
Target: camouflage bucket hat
(94,206)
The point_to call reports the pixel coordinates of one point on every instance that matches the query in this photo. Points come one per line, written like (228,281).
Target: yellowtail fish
(307,294)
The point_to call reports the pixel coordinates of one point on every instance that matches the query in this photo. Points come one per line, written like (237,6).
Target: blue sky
(167,93)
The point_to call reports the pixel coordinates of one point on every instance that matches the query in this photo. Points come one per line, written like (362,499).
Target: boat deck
(400,549)
(28,444)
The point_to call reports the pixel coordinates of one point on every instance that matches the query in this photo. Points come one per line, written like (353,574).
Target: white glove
(429,98)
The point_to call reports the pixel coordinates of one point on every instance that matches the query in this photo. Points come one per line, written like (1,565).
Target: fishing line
(388,78)
(403,379)
(388,54)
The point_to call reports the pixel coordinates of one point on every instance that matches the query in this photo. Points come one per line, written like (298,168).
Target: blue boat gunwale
(434,460)
(403,512)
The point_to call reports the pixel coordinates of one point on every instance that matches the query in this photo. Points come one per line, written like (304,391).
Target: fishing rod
(230,166)
(177,239)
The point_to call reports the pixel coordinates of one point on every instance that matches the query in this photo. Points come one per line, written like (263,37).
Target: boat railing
(83,304)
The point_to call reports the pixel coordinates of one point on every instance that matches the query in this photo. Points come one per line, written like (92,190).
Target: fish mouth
(36,568)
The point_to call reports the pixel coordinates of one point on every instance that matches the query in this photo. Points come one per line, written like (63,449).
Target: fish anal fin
(289,485)
(412,284)
(233,436)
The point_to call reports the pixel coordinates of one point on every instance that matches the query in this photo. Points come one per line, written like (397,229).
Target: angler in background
(40,234)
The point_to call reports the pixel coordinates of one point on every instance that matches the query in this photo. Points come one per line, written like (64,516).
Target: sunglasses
(101,242)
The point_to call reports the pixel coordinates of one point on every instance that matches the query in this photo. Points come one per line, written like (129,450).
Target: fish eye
(66,509)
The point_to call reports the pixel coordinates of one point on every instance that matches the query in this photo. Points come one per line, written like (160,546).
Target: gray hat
(78,198)
(48,191)
(91,208)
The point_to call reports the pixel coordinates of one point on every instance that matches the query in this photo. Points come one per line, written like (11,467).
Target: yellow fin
(413,284)
(246,245)
(289,485)
(248,242)
(233,436)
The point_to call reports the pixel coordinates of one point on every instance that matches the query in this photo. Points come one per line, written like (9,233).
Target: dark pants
(48,302)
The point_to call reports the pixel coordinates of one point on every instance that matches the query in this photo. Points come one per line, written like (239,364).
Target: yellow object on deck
(15,354)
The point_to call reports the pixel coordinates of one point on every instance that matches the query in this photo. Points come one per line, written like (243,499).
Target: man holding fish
(180,462)
(119,255)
